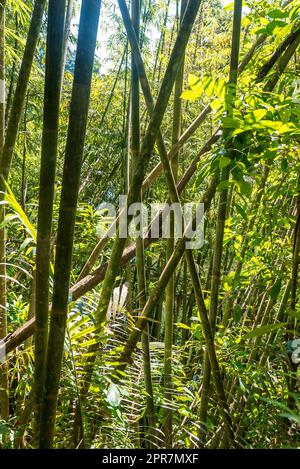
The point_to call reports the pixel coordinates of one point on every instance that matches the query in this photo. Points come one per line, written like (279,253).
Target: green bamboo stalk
(23,181)
(53,78)
(87,36)
(283,62)
(218,246)
(13,72)
(140,258)
(170,290)
(265,69)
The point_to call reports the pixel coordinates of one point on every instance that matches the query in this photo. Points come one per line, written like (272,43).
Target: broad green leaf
(88,343)
(220,88)
(255,116)
(231,122)
(292,416)
(272,125)
(239,131)
(277,14)
(246,21)
(281,32)
(294,13)
(215,104)
(209,85)
(193,80)
(274,24)
(241,211)
(245,187)
(222,186)
(284,165)
(190,95)
(285,128)
(223,162)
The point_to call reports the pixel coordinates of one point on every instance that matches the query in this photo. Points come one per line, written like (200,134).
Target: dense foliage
(146,371)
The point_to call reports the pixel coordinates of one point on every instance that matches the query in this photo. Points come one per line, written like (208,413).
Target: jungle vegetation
(139,341)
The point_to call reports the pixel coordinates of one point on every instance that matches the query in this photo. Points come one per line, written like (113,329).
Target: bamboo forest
(149,225)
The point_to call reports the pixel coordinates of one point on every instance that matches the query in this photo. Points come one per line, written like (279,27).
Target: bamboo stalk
(218,246)
(53,78)
(140,258)
(87,36)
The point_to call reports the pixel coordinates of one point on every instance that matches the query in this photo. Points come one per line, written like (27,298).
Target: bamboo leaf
(16,207)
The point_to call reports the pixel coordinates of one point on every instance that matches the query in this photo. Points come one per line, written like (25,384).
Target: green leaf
(275,290)
(232,122)
(190,95)
(193,80)
(222,186)
(215,104)
(223,162)
(209,85)
(277,14)
(16,207)
(246,21)
(294,13)
(229,7)
(182,326)
(284,165)
(239,131)
(274,24)
(241,211)
(245,187)
(237,313)
(285,128)
(264,330)
(220,88)
(255,116)
(272,125)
